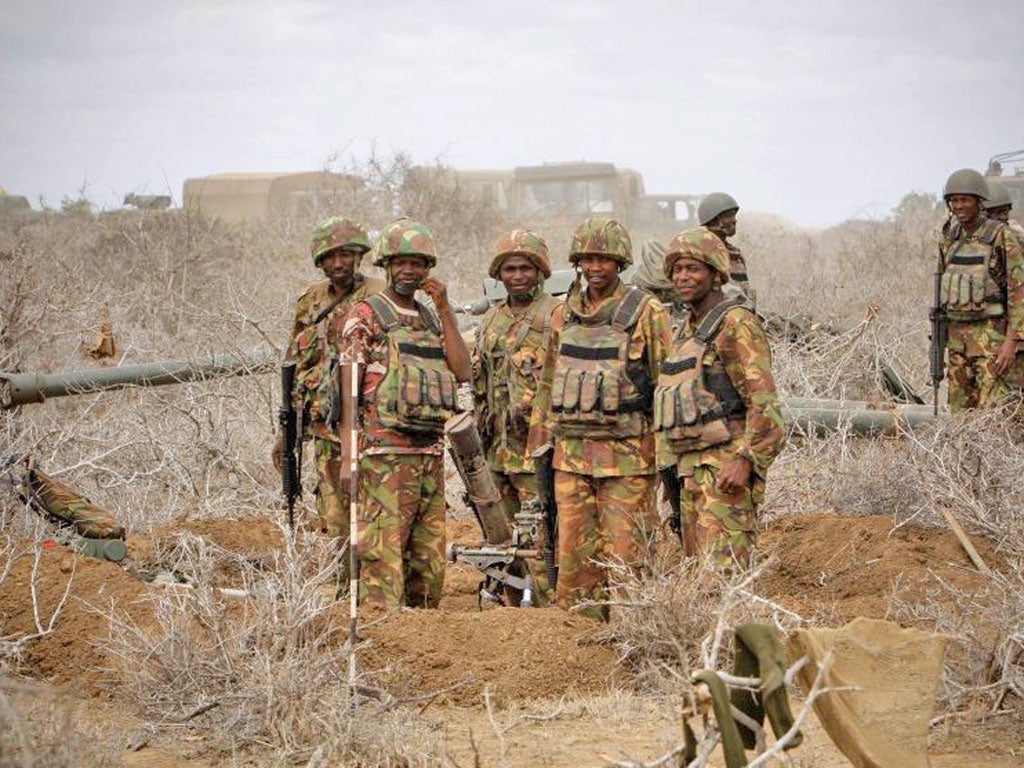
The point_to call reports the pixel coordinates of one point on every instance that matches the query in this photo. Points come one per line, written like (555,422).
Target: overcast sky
(819,111)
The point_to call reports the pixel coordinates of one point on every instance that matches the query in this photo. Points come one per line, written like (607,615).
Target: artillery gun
(22,388)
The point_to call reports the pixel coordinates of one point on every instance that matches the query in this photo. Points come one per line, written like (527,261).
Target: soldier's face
(693,280)
(601,271)
(727,223)
(964,207)
(999,214)
(339,266)
(407,272)
(518,275)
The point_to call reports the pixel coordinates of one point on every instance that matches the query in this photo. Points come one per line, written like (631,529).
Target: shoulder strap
(537,318)
(383,311)
(712,321)
(430,318)
(991,230)
(629,309)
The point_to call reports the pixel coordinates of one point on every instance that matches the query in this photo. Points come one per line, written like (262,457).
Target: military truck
(1008,167)
(555,193)
(240,197)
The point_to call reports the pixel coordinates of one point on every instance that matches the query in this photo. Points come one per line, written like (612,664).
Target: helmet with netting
(700,244)
(520,242)
(404,237)
(602,237)
(338,233)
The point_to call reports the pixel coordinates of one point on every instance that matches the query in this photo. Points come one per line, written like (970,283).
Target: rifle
(670,480)
(549,509)
(291,455)
(939,335)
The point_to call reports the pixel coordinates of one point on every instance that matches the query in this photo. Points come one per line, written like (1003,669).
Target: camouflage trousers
(722,526)
(601,520)
(972,350)
(401,530)
(516,488)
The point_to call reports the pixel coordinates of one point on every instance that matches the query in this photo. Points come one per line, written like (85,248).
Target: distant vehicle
(1008,167)
(240,197)
(567,192)
(16,208)
(147,202)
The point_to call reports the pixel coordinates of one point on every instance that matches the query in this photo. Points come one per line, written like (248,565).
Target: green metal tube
(21,388)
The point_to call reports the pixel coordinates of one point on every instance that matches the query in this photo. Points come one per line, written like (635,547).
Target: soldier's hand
(277,452)
(1007,351)
(437,291)
(734,476)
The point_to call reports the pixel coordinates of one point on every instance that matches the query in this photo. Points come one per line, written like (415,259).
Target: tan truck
(239,197)
(1008,167)
(565,193)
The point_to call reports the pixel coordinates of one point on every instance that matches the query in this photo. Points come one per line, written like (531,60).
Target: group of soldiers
(599,395)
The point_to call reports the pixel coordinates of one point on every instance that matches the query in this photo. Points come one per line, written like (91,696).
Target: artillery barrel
(813,415)
(21,388)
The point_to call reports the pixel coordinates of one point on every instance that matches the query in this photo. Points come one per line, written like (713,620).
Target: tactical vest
(968,289)
(417,394)
(692,404)
(597,391)
(507,383)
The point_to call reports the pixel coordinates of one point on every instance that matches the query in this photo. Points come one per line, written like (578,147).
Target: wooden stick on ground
(965,542)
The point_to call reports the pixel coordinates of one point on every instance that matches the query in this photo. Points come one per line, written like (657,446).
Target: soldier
(412,360)
(338,247)
(998,207)
(592,415)
(716,410)
(509,352)
(981,294)
(717,212)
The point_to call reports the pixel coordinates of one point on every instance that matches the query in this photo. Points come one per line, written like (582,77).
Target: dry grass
(177,285)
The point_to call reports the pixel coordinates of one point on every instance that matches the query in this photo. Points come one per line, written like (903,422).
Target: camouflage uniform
(401,540)
(716,402)
(315,310)
(711,208)
(508,355)
(976,335)
(604,476)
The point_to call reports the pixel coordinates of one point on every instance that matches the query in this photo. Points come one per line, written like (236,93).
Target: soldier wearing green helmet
(981,294)
(716,409)
(717,211)
(412,358)
(591,425)
(337,248)
(998,207)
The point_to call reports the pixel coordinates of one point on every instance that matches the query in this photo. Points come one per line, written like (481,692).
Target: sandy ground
(555,698)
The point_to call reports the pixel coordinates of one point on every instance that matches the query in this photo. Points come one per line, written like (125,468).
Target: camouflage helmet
(998,196)
(404,237)
(605,237)
(338,233)
(714,205)
(966,181)
(701,244)
(521,242)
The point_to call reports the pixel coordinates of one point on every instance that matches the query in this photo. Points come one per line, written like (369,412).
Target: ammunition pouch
(597,391)
(417,394)
(695,400)
(968,289)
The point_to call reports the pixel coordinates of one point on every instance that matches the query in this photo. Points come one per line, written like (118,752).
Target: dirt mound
(539,653)
(838,568)
(69,654)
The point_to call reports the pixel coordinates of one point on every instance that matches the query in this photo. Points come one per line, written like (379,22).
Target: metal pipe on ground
(22,388)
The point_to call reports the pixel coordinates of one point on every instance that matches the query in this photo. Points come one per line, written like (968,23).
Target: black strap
(712,321)
(388,318)
(628,312)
